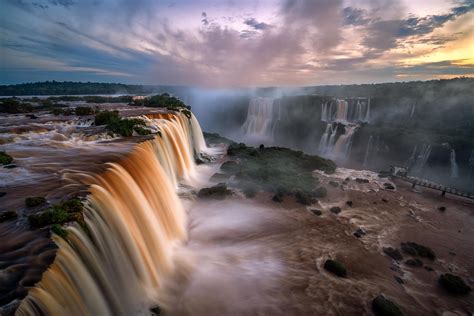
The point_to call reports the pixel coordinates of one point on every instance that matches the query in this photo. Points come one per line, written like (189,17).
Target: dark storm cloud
(204,18)
(256,25)
(354,16)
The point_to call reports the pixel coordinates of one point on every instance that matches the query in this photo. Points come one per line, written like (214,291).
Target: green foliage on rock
(72,205)
(335,267)
(106,117)
(162,101)
(84,110)
(453,284)
(54,215)
(122,126)
(415,249)
(5,159)
(59,230)
(218,192)
(14,106)
(35,201)
(384,307)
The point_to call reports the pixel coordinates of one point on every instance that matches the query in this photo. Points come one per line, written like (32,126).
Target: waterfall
(471,165)
(344,143)
(367,113)
(422,158)
(323,143)
(367,151)
(262,118)
(412,110)
(412,159)
(358,114)
(342,110)
(134,220)
(454,165)
(324,112)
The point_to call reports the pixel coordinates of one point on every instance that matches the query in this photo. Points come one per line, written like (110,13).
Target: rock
(393,253)
(360,180)
(230,167)
(334,183)
(5,159)
(452,253)
(335,209)
(349,203)
(347,179)
(399,280)
(417,263)
(250,191)
(35,201)
(304,198)
(359,232)
(316,212)
(261,146)
(442,208)
(320,192)
(155,311)
(7,215)
(219,177)
(385,200)
(415,249)
(278,198)
(31,116)
(55,215)
(453,284)
(427,268)
(218,191)
(384,307)
(2,194)
(11,166)
(10,308)
(335,267)
(388,186)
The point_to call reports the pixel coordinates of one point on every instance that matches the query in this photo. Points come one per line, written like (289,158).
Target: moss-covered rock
(35,201)
(415,249)
(106,117)
(7,215)
(230,167)
(72,205)
(84,110)
(54,215)
(5,159)
(214,138)
(393,253)
(218,191)
(384,307)
(335,267)
(453,284)
(59,230)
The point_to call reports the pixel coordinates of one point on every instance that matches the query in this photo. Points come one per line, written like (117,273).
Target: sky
(235,43)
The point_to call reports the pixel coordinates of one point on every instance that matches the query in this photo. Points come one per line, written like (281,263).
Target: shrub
(72,205)
(336,268)
(55,215)
(124,127)
(141,131)
(35,201)
(453,284)
(5,159)
(106,117)
(84,110)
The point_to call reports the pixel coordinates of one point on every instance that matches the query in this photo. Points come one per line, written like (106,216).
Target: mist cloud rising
(227,44)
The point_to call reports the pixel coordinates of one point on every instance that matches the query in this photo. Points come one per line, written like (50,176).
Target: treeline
(71,88)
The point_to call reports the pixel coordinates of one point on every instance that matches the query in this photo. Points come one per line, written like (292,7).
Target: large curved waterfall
(134,220)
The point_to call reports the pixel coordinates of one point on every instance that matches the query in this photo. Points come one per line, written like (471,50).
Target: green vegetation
(415,249)
(72,205)
(84,110)
(5,159)
(67,211)
(384,307)
(453,284)
(14,106)
(163,101)
(335,267)
(122,126)
(106,117)
(279,170)
(35,201)
(59,230)
(214,138)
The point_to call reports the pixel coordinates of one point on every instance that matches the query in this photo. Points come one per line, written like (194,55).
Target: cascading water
(262,119)
(367,151)
(134,221)
(343,144)
(323,143)
(454,165)
(422,158)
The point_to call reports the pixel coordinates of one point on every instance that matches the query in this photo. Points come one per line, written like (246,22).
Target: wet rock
(388,186)
(335,209)
(399,280)
(278,198)
(10,308)
(427,268)
(347,179)
(385,200)
(359,232)
(320,192)
(55,215)
(250,191)
(5,159)
(218,191)
(334,184)
(442,208)
(452,253)
(304,198)
(2,194)
(7,215)
(415,249)
(360,180)
(31,116)
(230,167)
(219,177)
(416,263)
(393,253)
(453,284)
(384,307)
(336,268)
(35,201)
(316,212)
(155,311)
(349,203)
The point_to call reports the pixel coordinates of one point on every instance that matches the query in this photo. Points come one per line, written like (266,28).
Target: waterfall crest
(134,221)
(262,119)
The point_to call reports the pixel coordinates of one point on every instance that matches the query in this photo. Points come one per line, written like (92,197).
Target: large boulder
(218,191)
(453,284)
(415,249)
(384,307)
(336,268)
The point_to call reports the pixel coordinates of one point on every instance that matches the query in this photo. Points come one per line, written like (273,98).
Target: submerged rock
(453,284)
(335,209)
(388,186)
(360,180)
(359,232)
(393,253)
(35,201)
(316,212)
(7,215)
(415,249)
(334,183)
(218,191)
(384,307)
(349,203)
(417,263)
(442,208)
(336,268)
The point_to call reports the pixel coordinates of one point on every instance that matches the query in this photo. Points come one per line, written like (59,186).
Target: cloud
(256,25)
(204,18)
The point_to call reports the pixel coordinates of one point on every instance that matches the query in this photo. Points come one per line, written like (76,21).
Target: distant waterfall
(367,113)
(422,158)
(342,110)
(134,220)
(262,119)
(367,151)
(471,165)
(346,111)
(454,165)
(343,144)
(323,143)
(412,110)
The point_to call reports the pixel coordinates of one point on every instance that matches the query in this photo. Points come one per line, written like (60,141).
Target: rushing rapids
(134,220)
